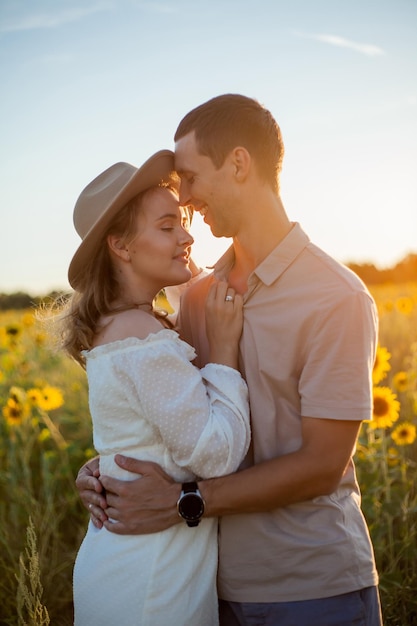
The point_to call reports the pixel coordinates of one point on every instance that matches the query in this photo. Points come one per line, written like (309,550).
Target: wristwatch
(190,504)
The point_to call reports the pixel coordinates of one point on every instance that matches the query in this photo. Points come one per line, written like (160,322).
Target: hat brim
(157,169)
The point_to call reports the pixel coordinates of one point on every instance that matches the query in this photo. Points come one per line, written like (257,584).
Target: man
(294,546)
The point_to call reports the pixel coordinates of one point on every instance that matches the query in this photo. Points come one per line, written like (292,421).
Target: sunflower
(401,381)
(34,396)
(13,330)
(381,365)
(50,398)
(15,412)
(9,335)
(18,394)
(404,305)
(404,434)
(386,409)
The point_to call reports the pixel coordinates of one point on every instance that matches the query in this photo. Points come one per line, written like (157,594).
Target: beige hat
(101,200)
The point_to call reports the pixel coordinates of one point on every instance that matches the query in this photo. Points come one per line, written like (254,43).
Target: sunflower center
(381,407)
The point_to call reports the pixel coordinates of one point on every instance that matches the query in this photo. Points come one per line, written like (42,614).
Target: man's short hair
(232,120)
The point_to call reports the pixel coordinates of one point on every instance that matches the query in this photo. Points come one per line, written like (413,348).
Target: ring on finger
(229,298)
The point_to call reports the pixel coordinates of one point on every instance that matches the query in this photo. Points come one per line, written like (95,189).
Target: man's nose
(185,198)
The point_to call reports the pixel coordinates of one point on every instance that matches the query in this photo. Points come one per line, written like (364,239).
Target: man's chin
(214,231)
(217,234)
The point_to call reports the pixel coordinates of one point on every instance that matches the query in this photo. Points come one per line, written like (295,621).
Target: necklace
(162,316)
(146,306)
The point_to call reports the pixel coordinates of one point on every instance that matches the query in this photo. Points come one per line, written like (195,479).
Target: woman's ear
(241,160)
(117,246)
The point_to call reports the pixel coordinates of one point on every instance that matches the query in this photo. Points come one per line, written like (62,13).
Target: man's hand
(91,491)
(144,505)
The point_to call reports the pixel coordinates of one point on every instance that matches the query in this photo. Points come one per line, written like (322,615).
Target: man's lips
(203,212)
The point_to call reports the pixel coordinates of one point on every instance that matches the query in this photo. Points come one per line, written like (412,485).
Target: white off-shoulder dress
(148,401)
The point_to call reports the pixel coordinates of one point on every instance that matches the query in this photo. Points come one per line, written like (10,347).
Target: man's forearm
(263,487)
(314,470)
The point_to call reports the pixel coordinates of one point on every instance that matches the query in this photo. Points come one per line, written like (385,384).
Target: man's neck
(254,244)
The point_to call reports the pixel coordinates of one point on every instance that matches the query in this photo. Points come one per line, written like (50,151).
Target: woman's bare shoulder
(131,323)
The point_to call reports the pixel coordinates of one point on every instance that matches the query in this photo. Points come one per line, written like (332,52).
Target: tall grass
(41,449)
(45,436)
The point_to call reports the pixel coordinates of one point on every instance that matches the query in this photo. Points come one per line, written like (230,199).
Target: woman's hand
(224,323)
(91,491)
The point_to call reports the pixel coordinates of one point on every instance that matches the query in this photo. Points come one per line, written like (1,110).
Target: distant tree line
(22,300)
(403,272)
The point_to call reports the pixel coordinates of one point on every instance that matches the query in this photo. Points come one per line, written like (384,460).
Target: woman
(146,398)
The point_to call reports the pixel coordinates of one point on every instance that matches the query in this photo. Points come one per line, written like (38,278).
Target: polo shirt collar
(275,263)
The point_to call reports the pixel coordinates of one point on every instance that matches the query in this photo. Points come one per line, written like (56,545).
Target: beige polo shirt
(307,349)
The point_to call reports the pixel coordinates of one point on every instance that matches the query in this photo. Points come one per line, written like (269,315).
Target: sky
(87,83)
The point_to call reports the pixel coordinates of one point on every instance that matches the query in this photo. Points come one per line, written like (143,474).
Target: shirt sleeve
(336,381)
(202,416)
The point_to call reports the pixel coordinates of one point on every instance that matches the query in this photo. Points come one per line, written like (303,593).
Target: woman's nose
(187,237)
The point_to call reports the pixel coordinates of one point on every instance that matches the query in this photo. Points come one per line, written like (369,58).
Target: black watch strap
(189,487)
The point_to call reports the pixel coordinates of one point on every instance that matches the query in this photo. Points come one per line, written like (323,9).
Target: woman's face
(160,251)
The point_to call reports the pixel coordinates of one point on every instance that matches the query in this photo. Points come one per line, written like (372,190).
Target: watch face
(191,506)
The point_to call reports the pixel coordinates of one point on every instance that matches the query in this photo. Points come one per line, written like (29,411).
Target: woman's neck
(126,305)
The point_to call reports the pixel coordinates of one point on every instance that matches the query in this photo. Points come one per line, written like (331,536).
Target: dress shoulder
(160,341)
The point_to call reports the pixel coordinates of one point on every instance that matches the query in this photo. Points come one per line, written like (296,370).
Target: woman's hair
(232,120)
(99,287)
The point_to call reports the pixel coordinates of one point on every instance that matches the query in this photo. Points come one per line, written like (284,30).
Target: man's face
(207,189)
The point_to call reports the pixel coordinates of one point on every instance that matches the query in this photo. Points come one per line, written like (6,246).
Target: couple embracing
(225,488)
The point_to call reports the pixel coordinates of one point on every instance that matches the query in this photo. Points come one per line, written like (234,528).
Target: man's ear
(117,245)
(241,161)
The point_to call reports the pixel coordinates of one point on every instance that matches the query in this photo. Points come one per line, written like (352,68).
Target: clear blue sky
(86,83)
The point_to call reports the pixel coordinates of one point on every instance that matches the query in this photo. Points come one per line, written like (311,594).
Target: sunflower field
(45,436)
(386,457)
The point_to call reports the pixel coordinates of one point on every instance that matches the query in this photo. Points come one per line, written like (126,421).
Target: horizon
(352,265)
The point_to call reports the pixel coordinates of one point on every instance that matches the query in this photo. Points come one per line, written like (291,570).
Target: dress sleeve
(202,416)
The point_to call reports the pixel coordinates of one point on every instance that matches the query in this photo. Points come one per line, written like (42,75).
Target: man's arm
(148,504)
(314,470)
